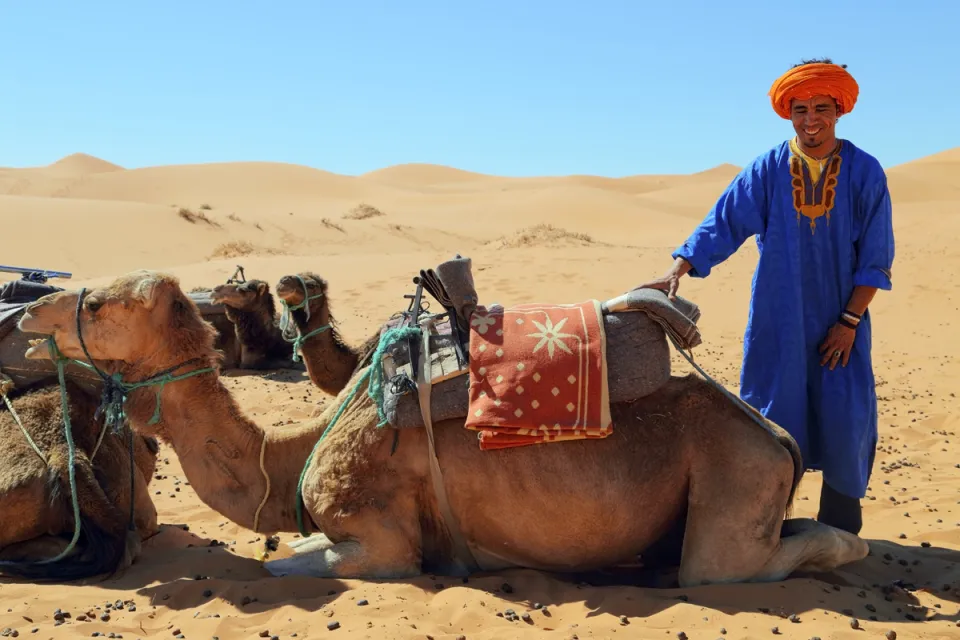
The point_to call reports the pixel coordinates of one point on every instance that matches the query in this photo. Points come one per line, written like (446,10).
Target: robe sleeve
(875,245)
(740,212)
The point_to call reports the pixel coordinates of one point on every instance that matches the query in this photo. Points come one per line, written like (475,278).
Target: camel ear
(262,288)
(149,290)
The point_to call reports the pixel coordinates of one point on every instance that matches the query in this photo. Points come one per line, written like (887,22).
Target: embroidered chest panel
(814,199)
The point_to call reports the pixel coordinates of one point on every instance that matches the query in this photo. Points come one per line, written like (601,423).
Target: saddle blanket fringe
(538,373)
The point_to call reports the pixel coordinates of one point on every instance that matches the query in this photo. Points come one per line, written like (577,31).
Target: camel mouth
(30,323)
(288,290)
(38,349)
(223,293)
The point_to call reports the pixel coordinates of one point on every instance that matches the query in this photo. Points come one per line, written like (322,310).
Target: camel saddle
(27,374)
(424,376)
(636,324)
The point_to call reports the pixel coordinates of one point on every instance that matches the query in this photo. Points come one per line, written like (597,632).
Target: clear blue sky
(516,87)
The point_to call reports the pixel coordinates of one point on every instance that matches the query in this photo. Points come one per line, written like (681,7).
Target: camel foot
(342,560)
(313,543)
(822,548)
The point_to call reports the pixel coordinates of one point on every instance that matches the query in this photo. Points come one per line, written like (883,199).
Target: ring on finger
(837,353)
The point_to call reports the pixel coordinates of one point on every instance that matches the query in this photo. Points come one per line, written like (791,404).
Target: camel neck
(219,449)
(330,363)
(256,330)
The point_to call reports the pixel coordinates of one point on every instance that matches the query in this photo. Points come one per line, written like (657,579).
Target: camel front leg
(313,543)
(366,550)
(345,560)
(813,547)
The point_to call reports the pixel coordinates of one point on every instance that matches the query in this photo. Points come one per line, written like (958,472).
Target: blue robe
(818,239)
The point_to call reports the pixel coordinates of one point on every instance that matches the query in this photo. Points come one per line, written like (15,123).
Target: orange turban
(806,81)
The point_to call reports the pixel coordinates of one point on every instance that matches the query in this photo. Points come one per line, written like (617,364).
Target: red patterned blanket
(538,374)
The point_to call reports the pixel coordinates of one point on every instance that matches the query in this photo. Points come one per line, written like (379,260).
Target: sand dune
(562,239)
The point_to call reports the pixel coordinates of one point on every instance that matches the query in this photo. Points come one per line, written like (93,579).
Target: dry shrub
(332,225)
(241,248)
(544,235)
(193,217)
(363,211)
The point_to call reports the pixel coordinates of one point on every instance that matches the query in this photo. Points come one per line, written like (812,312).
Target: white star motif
(482,323)
(550,335)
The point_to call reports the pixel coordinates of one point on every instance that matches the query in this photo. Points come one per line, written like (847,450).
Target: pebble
(333,625)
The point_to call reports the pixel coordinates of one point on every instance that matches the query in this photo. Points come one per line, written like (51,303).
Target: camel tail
(790,444)
(102,541)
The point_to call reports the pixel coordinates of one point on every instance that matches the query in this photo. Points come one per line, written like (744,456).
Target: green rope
(71,452)
(114,414)
(288,328)
(26,434)
(114,410)
(374,391)
(300,339)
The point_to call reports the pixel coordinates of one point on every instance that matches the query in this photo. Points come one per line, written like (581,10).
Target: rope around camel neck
(266,476)
(286,320)
(112,414)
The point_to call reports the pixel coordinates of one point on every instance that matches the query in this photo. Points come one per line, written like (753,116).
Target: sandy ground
(97,220)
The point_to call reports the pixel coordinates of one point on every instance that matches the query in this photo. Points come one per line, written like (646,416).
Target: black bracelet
(851,313)
(847,323)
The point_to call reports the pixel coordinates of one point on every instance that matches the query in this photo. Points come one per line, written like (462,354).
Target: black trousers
(839,510)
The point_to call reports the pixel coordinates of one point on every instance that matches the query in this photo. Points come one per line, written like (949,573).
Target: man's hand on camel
(669,282)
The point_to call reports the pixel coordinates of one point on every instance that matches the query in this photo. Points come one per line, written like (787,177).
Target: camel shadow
(881,588)
(215,573)
(292,375)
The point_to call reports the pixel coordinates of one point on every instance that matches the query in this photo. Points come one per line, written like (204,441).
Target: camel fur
(685,453)
(330,361)
(250,307)
(35,499)
(226,341)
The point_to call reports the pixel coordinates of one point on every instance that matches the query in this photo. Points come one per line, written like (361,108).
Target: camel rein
(288,328)
(113,399)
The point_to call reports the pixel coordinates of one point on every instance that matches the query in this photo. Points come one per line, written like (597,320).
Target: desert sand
(545,239)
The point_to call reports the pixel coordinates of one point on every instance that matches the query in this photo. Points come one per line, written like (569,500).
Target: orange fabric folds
(806,81)
(538,374)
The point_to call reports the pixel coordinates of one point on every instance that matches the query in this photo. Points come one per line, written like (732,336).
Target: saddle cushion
(637,356)
(538,374)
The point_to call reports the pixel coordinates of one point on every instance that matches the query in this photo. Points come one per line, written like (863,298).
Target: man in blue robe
(821,213)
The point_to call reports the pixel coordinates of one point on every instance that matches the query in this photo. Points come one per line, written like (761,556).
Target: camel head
(141,318)
(291,291)
(244,296)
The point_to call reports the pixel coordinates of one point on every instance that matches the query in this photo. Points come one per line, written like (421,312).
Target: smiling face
(815,121)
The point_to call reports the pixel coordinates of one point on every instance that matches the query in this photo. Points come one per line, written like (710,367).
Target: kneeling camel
(683,451)
(35,498)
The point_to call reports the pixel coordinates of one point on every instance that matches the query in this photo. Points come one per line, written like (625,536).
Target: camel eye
(93,305)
